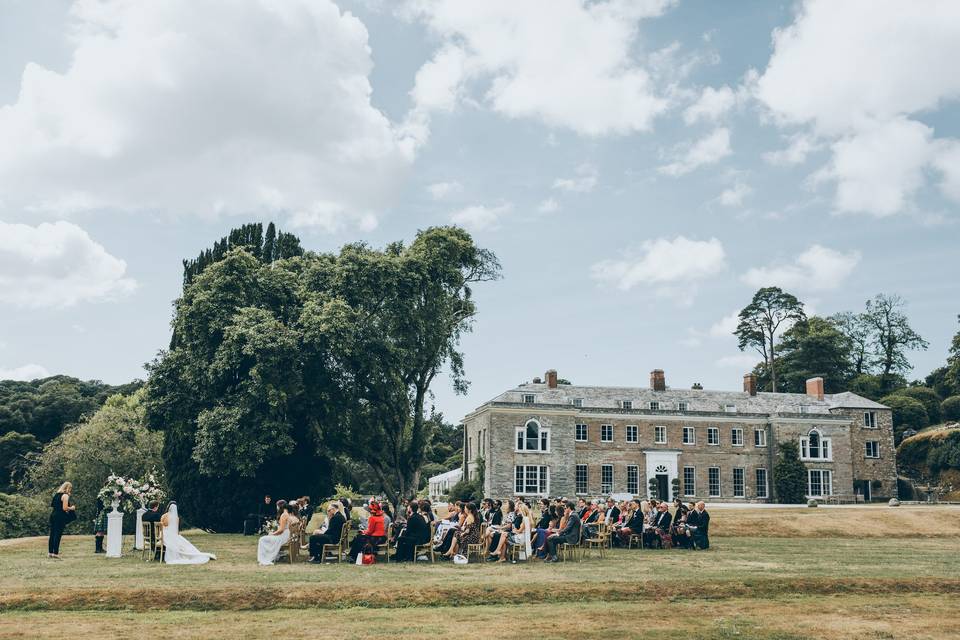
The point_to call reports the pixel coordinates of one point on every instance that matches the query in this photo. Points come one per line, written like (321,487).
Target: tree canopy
(761,320)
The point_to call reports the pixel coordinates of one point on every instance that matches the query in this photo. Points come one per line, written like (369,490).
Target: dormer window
(683,406)
(803,409)
(529,398)
(578,402)
(654,405)
(626,404)
(730,408)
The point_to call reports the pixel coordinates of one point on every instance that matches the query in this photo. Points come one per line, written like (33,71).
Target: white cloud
(733,196)
(167,106)
(520,56)
(480,217)
(725,326)
(583,182)
(711,105)
(816,269)
(548,206)
(708,150)
(853,73)
(799,146)
(947,161)
(26,373)
(740,361)
(57,265)
(441,190)
(664,262)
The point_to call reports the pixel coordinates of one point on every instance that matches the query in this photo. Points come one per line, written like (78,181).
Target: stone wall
(882,469)
(840,464)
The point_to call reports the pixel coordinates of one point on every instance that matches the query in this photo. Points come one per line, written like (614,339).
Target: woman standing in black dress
(62,513)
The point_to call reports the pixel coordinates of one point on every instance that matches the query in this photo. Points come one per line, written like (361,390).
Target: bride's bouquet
(270,526)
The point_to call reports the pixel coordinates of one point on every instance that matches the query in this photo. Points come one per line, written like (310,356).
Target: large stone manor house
(547,439)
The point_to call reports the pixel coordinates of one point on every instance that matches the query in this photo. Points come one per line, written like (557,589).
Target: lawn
(784,581)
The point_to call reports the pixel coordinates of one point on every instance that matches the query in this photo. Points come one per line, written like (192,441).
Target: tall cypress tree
(269,244)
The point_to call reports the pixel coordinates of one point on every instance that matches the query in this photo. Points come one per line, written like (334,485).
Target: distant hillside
(932,457)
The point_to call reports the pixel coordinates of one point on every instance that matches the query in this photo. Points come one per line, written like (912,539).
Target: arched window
(814,446)
(533,437)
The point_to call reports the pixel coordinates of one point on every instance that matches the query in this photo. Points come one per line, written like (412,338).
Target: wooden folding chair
(479,549)
(161,544)
(148,549)
(598,542)
(426,549)
(340,548)
(568,551)
(293,544)
(635,537)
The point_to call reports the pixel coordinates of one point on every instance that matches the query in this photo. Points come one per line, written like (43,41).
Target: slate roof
(696,399)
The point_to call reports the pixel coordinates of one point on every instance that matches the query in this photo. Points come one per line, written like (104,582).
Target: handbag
(367,556)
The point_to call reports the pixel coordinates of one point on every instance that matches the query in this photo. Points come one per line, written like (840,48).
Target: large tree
(814,347)
(892,334)
(760,323)
(857,329)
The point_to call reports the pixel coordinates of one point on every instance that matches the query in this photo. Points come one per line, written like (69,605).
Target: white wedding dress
(269,547)
(178,549)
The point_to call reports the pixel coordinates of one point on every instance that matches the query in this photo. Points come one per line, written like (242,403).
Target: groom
(152,516)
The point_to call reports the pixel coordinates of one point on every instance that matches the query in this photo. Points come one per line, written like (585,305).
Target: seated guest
(549,523)
(416,532)
(467,533)
(153,514)
(486,510)
(329,533)
(428,514)
(452,522)
(581,508)
(633,525)
(374,534)
(698,526)
(520,536)
(506,526)
(660,526)
(612,515)
(270,546)
(496,517)
(569,534)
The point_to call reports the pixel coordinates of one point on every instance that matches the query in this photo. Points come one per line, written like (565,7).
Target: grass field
(869,573)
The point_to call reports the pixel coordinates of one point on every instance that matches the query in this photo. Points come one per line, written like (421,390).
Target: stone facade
(596,441)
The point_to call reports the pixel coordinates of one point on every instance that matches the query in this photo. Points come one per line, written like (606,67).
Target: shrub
(908,413)
(22,516)
(466,491)
(927,396)
(950,408)
(790,475)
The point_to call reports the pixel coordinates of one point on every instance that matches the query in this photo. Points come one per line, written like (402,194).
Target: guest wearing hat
(373,535)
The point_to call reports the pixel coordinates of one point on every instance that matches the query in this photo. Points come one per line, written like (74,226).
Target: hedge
(21,516)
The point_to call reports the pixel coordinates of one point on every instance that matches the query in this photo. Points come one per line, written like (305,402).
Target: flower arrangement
(270,526)
(130,493)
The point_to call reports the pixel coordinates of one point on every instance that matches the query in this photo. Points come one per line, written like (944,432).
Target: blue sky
(640,168)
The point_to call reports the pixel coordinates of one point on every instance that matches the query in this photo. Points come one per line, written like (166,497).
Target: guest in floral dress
(469,532)
(100,526)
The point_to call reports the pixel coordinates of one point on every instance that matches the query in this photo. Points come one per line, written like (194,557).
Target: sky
(640,168)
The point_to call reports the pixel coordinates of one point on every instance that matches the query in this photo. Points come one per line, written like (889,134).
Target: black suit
(612,515)
(569,534)
(661,524)
(152,515)
(701,535)
(416,532)
(331,536)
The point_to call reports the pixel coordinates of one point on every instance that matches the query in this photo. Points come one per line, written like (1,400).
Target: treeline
(34,413)
(866,352)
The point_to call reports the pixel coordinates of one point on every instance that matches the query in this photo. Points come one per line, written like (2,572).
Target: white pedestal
(138,532)
(114,534)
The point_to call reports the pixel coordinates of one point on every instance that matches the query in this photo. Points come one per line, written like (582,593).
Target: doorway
(663,487)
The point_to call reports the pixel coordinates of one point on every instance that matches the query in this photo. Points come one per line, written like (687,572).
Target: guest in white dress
(269,547)
(178,549)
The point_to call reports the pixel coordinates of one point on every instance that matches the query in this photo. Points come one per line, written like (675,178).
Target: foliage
(892,335)
(950,408)
(927,455)
(652,487)
(928,397)
(790,475)
(22,516)
(760,321)
(14,448)
(277,245)
(875,386)
(857,330)
(85,454)
(951,377)
(130,493)
(908,413)
(279,369)
(44,407)
(466,491)
(345,491)
(810,348)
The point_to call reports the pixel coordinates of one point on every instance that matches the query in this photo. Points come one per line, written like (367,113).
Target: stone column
(114,533)
(138,532)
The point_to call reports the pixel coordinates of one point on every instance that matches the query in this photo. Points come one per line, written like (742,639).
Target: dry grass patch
(860,522)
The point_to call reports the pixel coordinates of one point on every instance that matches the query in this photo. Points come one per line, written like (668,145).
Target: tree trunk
(773,368)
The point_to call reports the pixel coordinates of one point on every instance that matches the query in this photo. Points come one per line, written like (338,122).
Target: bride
(178,549)
(269,547)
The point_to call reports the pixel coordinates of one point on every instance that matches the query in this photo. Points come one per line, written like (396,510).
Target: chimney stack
(658,381)
(551,377)
(815,388)
(750,384)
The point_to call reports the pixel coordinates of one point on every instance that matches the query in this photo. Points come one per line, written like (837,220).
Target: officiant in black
(416,532)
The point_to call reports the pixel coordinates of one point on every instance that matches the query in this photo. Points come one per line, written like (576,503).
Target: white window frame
(578,402)
(529,398)
(659,434)
(713,436)
(654,405)
(759,437)
(606,488)
(690,488)
(542,474)
(743,482)
(876,449)
(764,486)
(635,470)
(826,482)
(604,430)
(586,432)
(803,408)
(730,408)
(683,406)
(692,440)
(633,430)
(710,492)
(870,420)
(826,444)
(540,431)
(627,405)
(734,432)
(586,479)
